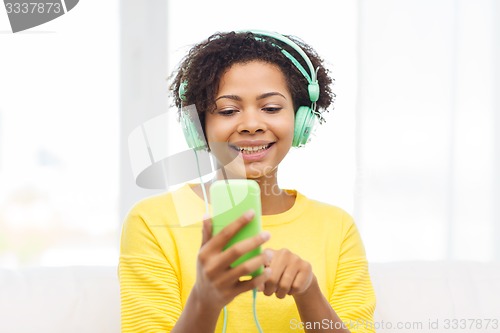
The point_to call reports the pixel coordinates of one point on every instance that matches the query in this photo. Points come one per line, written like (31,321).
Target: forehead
(252,76)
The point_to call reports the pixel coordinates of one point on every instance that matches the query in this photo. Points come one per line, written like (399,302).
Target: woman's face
(253,122)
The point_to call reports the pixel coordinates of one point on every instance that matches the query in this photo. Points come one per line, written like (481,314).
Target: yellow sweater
(161,238)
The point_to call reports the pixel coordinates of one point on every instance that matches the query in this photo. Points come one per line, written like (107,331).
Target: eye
(227,112)
(272,109)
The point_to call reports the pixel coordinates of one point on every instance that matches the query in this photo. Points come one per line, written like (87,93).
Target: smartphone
(230,199)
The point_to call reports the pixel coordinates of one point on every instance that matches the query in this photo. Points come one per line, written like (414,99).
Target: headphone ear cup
(304,122)
(191,134)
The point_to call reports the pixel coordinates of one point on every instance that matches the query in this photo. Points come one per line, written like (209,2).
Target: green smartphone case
(230,199)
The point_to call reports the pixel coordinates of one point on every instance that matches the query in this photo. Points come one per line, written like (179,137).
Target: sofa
(411,297)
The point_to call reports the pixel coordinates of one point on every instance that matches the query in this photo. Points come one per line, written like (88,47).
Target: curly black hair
(205,64)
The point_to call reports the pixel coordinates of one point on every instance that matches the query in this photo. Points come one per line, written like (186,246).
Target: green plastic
(230,199)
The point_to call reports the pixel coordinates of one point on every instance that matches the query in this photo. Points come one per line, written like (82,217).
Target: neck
(274,199)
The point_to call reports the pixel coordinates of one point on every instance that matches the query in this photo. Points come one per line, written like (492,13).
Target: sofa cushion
(411,297)
(436,296)
(60,300)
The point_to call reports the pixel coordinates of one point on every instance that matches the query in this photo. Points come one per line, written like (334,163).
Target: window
(59,123)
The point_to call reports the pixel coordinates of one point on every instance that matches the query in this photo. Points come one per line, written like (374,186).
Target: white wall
(428,129)
(59,110)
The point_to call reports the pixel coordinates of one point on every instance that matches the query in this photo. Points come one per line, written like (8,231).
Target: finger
(223,237)
(231,254)
(296,284)
(270,254)
(271,284)
(301,282)
(278,265)
(248,267)
(207,229)
(285,283)
(247,285)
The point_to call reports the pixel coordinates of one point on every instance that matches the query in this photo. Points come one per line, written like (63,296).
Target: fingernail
(266,235)
(249,214)
(269,254)
(206,216)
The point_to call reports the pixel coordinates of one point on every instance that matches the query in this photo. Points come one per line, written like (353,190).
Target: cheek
(217,130)
(286,127)
(210,126)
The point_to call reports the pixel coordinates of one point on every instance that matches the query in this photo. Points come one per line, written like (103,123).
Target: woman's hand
(290,274)
(217,283)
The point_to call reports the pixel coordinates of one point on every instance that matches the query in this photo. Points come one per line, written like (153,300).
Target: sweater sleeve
(353,297)
(149,287)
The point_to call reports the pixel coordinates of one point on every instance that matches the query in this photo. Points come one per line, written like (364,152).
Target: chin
(257,172)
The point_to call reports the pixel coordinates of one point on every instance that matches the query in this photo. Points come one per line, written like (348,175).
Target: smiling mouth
(252,149)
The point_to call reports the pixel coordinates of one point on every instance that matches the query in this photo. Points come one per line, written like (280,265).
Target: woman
(255,94)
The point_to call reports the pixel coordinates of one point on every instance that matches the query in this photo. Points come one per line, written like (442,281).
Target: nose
(252,121)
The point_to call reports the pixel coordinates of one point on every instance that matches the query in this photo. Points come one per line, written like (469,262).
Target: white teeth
(252,149)
(255,148)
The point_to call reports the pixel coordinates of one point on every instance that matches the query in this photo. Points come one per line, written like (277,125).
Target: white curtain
(428,116)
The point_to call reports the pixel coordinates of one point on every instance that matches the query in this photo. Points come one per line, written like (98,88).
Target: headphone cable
(255,318)
(207,212)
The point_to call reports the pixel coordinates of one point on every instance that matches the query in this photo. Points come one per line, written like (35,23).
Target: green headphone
(305,116)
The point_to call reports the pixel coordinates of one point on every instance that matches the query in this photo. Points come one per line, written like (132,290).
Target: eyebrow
(273,93)
(233,97)
(238,98)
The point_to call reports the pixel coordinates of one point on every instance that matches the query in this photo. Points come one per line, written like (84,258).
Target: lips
(252,150)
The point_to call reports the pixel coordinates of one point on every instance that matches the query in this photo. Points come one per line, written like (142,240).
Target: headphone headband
(293,45)
(313,87)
